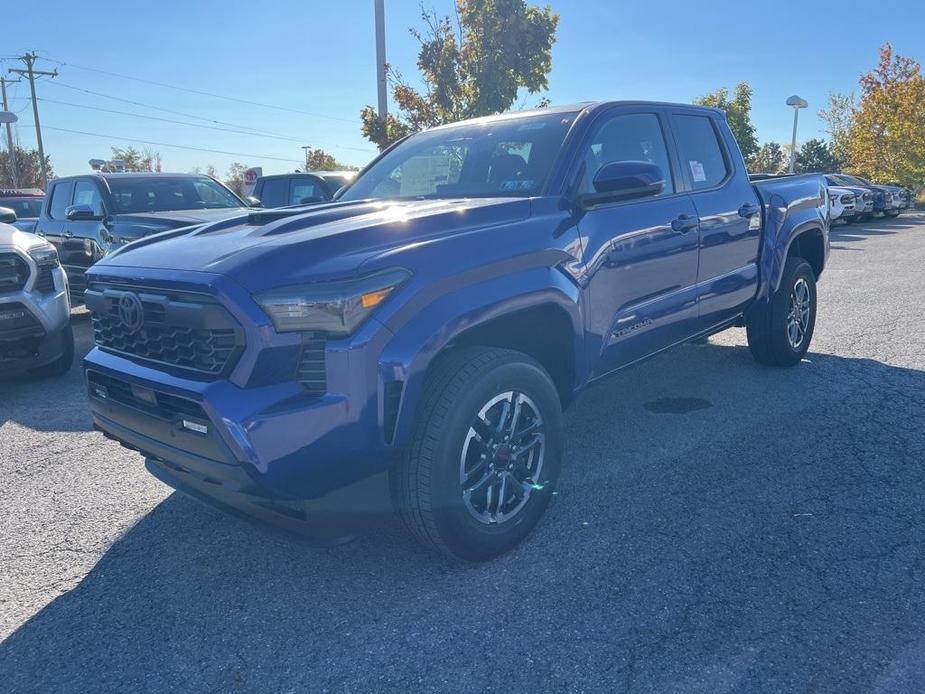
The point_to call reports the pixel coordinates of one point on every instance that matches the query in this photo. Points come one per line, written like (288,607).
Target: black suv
(285,190)
(88,216)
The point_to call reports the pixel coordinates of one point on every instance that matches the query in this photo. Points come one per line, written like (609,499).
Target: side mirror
(7,216)
(77,213)
(252,201)
(625,180)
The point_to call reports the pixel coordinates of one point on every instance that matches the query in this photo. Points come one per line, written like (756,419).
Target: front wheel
(779,333)
(485,455)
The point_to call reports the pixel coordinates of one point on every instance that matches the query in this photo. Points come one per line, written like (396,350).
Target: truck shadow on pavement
(770,539)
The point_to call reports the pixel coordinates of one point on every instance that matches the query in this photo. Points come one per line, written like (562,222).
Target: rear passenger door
(730,217)
(640,255)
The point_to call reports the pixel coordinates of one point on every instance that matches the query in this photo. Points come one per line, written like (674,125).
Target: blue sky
(316,59)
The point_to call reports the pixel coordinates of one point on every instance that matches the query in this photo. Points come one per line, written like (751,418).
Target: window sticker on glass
(697,171)
(422,175)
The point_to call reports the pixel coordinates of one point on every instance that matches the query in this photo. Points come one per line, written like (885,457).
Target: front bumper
(35,320)
(255,429)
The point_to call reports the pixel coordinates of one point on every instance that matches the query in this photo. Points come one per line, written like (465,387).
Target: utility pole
(9,131)
(380,63)
(30,74)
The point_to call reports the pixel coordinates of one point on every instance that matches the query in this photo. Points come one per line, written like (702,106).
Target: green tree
(475,68)
(234,179)
(133,160)
(839,117)
(768,159)
(738,112)
(887,136)
(28,168)
(816,156)
(319,160)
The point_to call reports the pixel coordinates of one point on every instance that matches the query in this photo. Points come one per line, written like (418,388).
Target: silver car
(35,328)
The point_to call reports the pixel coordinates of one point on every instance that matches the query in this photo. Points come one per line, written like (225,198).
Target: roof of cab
(132,174)
(579,108)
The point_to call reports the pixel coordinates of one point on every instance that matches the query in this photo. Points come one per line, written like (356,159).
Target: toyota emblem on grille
(131,312)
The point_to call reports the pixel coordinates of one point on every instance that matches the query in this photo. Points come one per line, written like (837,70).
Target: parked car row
(856,199)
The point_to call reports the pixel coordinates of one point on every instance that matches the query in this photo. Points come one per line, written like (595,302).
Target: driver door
(640,255)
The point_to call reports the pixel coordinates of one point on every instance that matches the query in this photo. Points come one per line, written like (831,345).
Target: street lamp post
(797,103)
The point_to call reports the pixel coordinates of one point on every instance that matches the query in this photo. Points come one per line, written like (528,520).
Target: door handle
(684,223)
(749,209)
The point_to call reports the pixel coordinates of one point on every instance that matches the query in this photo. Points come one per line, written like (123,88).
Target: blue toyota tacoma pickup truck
(428,327)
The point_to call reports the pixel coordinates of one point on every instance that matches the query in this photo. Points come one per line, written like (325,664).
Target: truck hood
(279,247)
(138,224)
(13,237)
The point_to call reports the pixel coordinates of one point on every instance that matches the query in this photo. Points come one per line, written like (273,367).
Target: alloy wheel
(502,458)
(798,314)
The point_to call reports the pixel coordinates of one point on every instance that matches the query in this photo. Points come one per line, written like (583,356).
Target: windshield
(510,158)
(23,207)
(163,194)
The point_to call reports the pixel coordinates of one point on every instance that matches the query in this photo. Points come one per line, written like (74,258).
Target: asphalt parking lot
(719,527)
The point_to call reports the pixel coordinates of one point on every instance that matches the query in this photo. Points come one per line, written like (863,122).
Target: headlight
(45,256)
(332,307)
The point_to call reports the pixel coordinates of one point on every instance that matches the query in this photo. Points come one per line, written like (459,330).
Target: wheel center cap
(503,455)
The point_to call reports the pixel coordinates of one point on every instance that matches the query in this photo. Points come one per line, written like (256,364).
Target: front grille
(161,405)
(189,331)
(312,371)
(14,273)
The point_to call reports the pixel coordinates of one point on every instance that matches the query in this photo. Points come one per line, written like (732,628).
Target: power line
(171,120)
(161,108)
(173,146)
(285,138)
(202,93)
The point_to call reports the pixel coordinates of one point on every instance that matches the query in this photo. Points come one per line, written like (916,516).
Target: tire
(427,484)
(771,334)
(62,364)
(893,214)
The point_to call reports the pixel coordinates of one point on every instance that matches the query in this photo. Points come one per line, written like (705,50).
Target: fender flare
(409,354)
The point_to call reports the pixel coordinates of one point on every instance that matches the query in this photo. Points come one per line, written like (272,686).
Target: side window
(627,137)
(88,193)
(700,151)
(60,199)
(303,189)
(275,192)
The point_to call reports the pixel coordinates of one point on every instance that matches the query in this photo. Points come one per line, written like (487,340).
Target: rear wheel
(485,454)
(779,333)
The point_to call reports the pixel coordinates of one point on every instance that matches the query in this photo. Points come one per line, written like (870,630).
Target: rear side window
(700,151)
(60,199)
(275,192)
(88,193)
